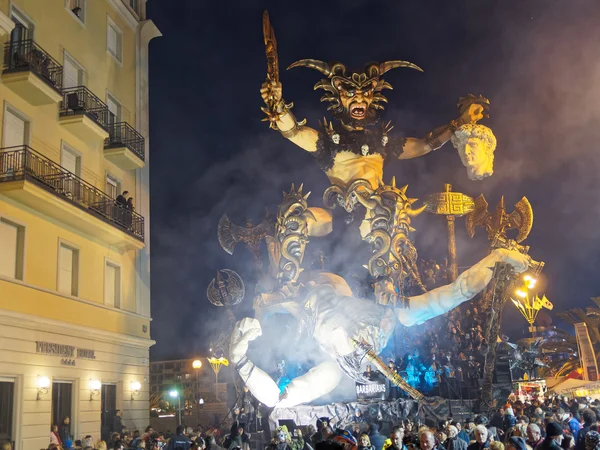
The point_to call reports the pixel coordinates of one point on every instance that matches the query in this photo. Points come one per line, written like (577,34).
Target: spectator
(396,440)
(516,443)
(568,442)
(117,423)
(554,436)
(64,431)
(179,441)
(364,443)
(122,198)
(211,443)
(572,423)
(100,445)
(462,434)
(481,439)
(592,440)
(454,442)
(427,440)
(509,419)
(589,418)
(496,445)
(534,435)
(55,436)
(377,440)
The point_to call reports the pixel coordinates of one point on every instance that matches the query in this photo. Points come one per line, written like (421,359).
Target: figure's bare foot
(245,330)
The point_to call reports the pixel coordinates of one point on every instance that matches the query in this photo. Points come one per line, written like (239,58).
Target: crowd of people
(449,350)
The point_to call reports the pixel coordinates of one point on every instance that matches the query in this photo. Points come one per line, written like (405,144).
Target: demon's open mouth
(358,110)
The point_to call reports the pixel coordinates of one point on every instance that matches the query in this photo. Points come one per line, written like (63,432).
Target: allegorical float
(352,148)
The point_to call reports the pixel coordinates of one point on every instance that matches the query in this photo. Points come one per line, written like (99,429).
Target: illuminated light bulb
(43,382)
(197,364)
(135,385)
(95,385)
(521,294)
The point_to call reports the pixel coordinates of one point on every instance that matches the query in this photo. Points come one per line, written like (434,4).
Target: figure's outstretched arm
(301,135)
(465,287)
(414,147)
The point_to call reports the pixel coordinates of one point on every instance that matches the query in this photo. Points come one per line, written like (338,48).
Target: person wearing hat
(592,440)
(554,436)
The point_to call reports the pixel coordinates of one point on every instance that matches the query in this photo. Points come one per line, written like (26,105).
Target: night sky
(537,61)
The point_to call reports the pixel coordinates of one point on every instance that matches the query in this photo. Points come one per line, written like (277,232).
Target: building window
(76,8)
(62,401)
(70,159)
(73,72)
(68,269)
(15,129)
(7,399)
(113,187)
(114,40)
(112,284)
(114,107)
(12,243)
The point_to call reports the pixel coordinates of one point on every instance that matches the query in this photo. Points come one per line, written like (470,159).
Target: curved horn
(389,65)
(415,212)
(321,66)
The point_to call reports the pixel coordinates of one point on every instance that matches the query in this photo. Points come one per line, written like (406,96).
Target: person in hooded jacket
(377,440)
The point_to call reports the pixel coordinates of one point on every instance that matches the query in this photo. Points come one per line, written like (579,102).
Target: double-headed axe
(450,204)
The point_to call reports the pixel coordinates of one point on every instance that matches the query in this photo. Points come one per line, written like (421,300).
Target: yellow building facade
(74,257)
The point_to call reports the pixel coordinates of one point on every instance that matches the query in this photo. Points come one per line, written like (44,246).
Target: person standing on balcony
(122,198)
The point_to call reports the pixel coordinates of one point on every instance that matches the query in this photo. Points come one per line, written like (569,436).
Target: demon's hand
(270,91)
(473,113)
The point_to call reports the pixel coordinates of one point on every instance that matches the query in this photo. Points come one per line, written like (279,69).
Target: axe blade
(522,219)
(225,235)
(478,217)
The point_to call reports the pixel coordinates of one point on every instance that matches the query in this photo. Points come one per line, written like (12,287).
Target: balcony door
(15,134)
(73,73)
(23,29)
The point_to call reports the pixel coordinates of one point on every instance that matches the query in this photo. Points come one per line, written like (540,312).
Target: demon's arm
(414,147)
(301,135)
(465,287)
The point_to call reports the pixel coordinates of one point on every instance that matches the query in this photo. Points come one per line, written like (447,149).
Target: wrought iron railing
(124,135)
(26,55)
(22,162)
(80,100)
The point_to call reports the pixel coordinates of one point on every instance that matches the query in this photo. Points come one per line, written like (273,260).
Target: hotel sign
(68,353)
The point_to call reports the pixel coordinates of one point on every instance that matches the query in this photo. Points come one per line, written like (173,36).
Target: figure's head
(476,145)
(355,97)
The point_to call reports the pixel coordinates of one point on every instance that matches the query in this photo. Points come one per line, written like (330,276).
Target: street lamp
(528,306)
(197,364)
(175,394)
(216,364)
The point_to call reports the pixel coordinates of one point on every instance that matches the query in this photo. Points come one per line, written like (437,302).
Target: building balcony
(125,147)
(84,114)
(32,73)
(38,182)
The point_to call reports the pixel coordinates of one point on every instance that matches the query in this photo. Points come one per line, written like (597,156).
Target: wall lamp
(43,383)
(135,387)
(95,387)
